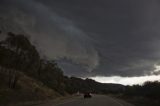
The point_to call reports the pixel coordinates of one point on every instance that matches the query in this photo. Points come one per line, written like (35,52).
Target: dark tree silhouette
(18,55)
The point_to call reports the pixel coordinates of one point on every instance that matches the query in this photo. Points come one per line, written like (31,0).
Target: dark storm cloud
(54,35)
(104,37)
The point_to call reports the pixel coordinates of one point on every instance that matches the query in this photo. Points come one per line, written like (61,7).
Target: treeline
(148,89)
(89,85)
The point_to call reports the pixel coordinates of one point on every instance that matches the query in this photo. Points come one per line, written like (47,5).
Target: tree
(23,56)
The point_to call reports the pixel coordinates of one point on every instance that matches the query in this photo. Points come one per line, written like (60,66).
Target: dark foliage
(148,89)
(88,85)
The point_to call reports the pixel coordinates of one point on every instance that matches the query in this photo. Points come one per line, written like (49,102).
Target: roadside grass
(27,90)
(139,101)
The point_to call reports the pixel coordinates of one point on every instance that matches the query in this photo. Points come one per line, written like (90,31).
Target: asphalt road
(96,100)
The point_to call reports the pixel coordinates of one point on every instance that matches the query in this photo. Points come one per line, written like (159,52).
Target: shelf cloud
(90,38)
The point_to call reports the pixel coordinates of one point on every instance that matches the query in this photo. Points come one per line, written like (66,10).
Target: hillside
(27,89)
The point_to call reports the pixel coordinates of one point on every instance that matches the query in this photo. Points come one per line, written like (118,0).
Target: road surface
(96,100)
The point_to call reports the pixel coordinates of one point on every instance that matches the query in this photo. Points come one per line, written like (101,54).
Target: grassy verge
(139,101)
(28,90)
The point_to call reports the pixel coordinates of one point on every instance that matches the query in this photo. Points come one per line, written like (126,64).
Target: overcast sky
(90,38)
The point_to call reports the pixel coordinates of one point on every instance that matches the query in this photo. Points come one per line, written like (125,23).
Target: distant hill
(89,85)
